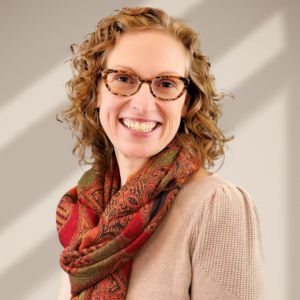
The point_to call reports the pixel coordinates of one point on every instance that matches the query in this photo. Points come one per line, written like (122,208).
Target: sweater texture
(209,246)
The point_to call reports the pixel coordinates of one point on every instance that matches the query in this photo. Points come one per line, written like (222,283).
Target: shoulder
(226,235)
(214,190)
(220,213)
(215,203)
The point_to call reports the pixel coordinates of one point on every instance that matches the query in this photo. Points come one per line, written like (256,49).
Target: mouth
(138,126)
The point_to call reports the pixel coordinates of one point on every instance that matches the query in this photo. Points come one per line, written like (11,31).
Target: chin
(139,152)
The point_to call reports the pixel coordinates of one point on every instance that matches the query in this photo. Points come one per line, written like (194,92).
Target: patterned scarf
(102,226)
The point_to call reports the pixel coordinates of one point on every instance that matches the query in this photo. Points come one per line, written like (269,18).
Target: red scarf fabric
(102,226)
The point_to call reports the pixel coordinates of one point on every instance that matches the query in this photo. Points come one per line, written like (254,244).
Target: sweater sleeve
(227,256)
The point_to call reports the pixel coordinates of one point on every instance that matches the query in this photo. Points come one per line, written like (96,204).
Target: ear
(185,106)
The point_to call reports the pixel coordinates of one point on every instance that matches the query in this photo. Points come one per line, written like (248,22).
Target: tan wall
(253,46)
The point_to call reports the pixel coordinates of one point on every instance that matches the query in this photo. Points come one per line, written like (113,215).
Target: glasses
(123,83)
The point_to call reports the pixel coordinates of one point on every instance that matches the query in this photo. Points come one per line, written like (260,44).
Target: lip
(140,133)
(140,120)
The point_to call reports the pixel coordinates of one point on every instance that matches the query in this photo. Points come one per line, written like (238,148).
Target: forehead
(148,53)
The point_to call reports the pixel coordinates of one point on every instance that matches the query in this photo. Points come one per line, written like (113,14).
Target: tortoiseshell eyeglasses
(124,83)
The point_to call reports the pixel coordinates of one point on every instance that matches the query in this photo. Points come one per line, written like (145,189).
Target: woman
(148,221)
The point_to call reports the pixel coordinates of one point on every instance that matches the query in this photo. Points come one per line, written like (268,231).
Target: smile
(140,126)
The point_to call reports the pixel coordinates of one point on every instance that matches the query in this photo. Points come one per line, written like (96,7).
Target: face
(128,121)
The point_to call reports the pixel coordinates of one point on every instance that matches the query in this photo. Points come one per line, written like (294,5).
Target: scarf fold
(102,226)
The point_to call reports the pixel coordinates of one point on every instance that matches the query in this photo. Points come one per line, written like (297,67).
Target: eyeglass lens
(165,87)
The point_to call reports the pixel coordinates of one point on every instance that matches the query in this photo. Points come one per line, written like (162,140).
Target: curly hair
(199,127)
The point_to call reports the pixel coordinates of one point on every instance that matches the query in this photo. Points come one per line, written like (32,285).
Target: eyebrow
(126,68)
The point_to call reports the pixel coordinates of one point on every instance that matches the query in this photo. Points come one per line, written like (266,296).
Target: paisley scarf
(102,225)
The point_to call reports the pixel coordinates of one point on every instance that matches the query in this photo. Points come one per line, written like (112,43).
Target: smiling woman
(148,220)
(126,118)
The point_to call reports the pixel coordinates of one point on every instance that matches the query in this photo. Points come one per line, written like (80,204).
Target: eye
(124,78)
(166,83)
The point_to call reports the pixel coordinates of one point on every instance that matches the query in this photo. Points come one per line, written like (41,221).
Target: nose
(143,101)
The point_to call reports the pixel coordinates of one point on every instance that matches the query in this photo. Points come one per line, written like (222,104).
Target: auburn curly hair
(199,127)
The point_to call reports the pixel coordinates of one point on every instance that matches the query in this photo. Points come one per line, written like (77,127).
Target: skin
(147,54)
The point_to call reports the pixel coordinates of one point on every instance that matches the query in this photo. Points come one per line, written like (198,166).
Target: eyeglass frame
(104,73)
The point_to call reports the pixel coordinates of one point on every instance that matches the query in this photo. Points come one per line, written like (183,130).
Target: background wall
(253,46)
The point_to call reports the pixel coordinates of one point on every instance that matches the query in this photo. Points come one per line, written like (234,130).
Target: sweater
(209,246)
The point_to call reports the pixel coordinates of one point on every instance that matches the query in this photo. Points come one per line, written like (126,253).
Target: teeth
(139,126)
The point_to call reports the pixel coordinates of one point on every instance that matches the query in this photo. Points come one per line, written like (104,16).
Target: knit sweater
(209,246)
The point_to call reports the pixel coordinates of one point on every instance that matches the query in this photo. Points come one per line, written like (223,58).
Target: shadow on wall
(292,77)
(37,36)
(41,158)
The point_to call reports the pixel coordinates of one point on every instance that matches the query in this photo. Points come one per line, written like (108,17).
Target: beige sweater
(208,247)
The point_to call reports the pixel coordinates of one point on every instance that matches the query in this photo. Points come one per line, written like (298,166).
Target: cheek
(174,111)
(107,103)
(103,97)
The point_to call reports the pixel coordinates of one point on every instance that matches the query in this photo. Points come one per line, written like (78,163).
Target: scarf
(102,226)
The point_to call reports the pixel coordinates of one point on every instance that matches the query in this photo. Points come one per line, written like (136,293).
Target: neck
(129,166)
